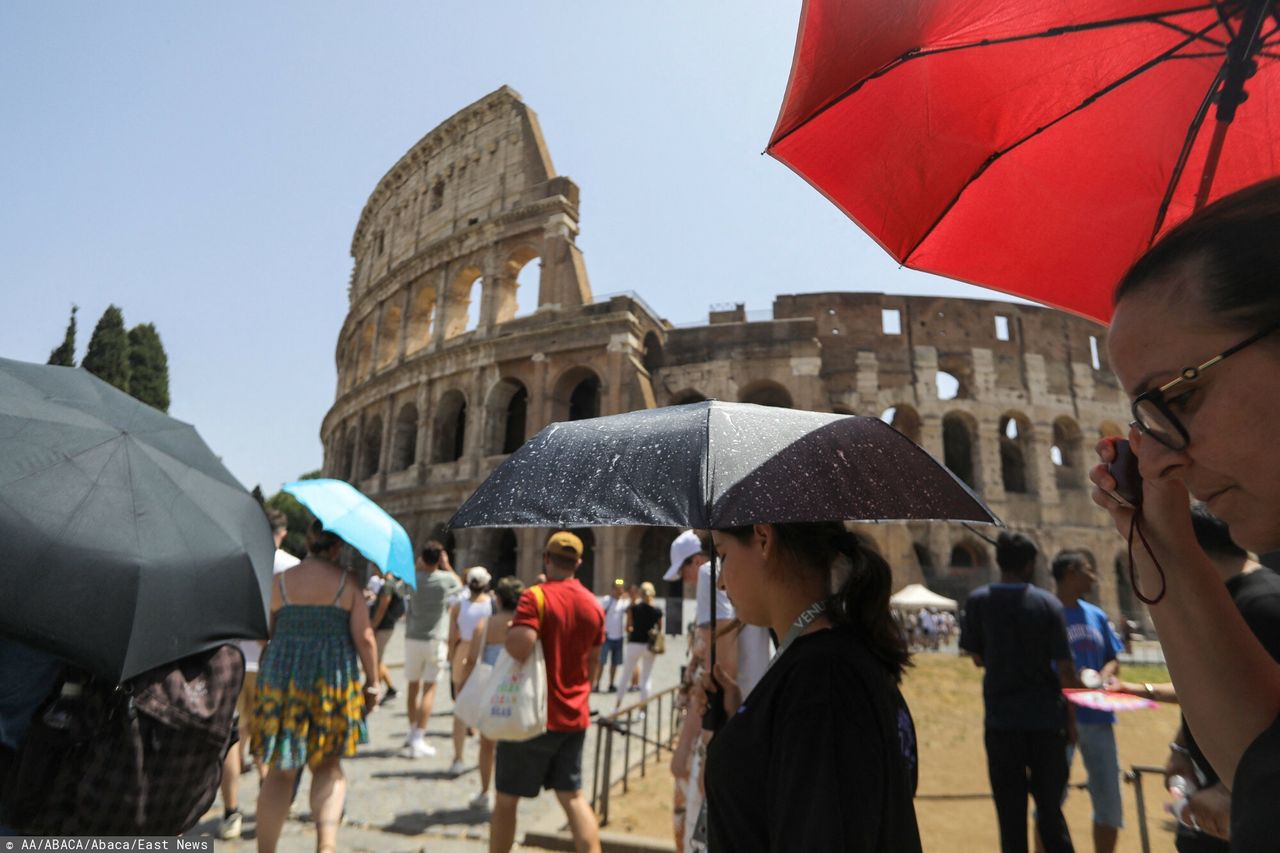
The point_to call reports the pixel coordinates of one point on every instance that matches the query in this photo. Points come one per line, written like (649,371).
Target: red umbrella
(1032,146)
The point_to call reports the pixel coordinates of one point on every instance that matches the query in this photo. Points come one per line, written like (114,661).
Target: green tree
(295,541)
(107,356)
(65,355)
(148,367)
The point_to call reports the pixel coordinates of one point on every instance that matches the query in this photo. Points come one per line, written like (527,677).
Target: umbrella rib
(997,155)
(919,53)
(1188,142)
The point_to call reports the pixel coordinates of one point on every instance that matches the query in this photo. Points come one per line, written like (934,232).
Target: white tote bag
(515,707)
(472,696)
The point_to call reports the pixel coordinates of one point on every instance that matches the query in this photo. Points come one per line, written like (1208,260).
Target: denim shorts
(1097,742)
(611,649)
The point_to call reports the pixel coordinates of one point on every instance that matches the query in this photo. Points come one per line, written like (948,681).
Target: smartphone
(1128,480)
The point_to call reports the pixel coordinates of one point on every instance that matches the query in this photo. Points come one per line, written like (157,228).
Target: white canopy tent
(915,597)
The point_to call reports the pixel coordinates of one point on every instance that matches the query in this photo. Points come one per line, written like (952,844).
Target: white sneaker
(457,768)
(482,801)
(418,749)
(229,827)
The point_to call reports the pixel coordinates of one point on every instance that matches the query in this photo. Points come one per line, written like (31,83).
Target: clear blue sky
(203,166)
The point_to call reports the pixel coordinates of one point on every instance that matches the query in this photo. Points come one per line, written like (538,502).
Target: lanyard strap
(803,621)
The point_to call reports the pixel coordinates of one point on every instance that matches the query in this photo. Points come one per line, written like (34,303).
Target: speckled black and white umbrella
(714,465)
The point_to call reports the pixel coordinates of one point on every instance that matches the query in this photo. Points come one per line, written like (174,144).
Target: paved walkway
(399,804)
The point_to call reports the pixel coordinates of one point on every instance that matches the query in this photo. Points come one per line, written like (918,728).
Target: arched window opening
(925,560)
(653,354)
(904,419)
(1067,454)
(506,416)
(451,427)
(508,558)
(519,292)
(404,438)
(587,571)
(964,557)
(347,458)
(389,336)
(766,393)
(584,400)
(462,310)
(654,556)
(1015,436)
(688,396)
(421,311)
(957,448)
(948,386)
(371,452)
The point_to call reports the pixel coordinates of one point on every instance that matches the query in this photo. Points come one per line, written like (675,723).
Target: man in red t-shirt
(572,631)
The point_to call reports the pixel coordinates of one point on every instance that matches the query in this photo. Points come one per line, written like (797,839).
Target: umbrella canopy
(917,596)
(367,527)
(127,544)
(1036,147)
(716,465)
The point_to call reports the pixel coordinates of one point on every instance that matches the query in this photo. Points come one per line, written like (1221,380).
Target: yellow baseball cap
(564,544)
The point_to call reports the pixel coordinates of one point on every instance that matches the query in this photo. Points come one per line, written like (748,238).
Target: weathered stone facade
(433,393)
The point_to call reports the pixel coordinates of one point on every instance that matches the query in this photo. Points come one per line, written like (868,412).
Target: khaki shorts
(423,659)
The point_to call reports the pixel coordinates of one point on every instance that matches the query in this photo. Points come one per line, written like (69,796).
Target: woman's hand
(370,697)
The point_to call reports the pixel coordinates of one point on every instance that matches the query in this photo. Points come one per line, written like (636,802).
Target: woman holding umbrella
(1193,341)
(821,755)
(311,705)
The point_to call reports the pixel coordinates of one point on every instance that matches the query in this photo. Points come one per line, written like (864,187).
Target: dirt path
(953,805)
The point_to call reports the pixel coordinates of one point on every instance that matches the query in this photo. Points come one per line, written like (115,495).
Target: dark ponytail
(862,601)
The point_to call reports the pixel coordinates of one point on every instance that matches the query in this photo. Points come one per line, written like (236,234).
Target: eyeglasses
(1152,412)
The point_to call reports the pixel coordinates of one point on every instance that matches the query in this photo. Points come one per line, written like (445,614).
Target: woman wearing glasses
(1193,341)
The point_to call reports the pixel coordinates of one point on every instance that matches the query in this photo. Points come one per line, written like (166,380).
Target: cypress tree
(65,355)
(107,356)
(148,367)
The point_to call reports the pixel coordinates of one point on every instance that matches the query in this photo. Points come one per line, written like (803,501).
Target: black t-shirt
(643,618)
(821,756)
(391,589)
(1257,597)
(1019,631)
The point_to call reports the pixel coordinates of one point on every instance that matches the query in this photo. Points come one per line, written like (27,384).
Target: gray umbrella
(713,465)
(126,543)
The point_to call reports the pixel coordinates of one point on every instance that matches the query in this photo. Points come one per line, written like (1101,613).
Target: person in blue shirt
(1094,646)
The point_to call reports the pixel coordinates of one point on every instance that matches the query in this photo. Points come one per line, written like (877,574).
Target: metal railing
(1134,777)
(622,724)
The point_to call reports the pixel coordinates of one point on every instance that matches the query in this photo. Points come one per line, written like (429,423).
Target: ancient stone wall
(445,366)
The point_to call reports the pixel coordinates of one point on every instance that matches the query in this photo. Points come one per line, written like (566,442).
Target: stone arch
(507,560)
(347,456)
(654,357)
(462,305)
(958,431)
(389,336)
(765,392)
(1125,599)
(1015,458)
(904,418)
(958,368)
(404,438)
(577,395)
(364,351)
(1111,428)
(506,417)
(517,294)
(587,571)
(450,427)
(422,309)
(653,556)
(371,448)
(924,559)
(688,395)
(948,386)
(1067,454)
(967,555)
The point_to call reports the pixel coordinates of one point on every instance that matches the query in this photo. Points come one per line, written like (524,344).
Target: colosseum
(472,325)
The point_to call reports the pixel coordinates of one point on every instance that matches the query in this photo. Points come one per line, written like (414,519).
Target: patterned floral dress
(310,702)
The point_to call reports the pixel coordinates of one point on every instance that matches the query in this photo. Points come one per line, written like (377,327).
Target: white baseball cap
(685,546)
(478,575)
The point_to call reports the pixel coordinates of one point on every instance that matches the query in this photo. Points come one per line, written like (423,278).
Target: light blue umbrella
(367,527)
